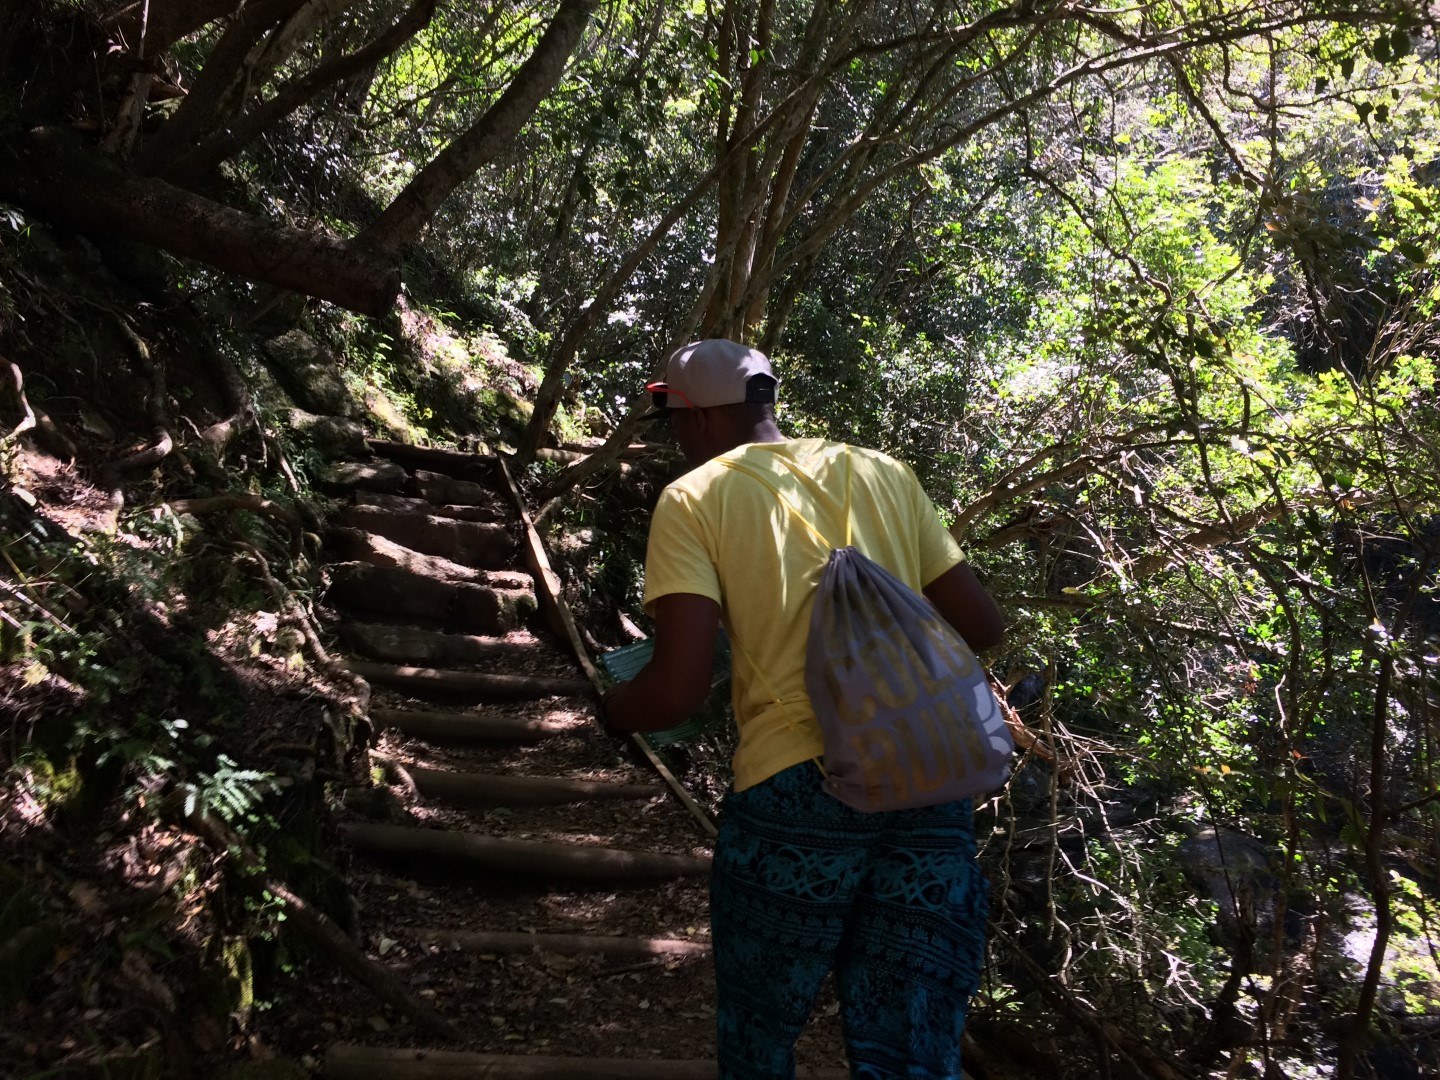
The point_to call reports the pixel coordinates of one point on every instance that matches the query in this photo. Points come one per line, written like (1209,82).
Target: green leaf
(1380,48)
(1347,66)
(1364,109)
(1414,252)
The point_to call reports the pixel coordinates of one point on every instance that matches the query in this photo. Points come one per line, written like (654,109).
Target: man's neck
(768,432)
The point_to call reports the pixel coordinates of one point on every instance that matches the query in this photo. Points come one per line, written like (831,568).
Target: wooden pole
(483,789)
(345,1062)
(549,595)
(495,941)
(476,685)
(533,858)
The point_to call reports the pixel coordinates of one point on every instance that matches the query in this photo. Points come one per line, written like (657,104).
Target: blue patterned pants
(894,902)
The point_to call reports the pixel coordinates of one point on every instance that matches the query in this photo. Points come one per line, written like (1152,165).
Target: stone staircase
(521,872)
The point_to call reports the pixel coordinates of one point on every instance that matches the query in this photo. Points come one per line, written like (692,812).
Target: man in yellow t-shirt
(894,901)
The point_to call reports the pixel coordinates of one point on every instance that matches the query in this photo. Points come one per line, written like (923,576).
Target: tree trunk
(234,138)
(402,221)
(212,94)
(163,24)
(43,174)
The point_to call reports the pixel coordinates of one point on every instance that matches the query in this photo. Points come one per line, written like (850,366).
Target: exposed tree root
(27,418)
(256,504)
(162,443)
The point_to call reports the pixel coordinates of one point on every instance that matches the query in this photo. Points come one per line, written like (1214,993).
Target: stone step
(444,490)
(472,727)
(376,476)
(535,859)
(357,546)
(487,789)
(439,459)
(430,648)
(459,605)
(475,685)
(405,504)
(497,941)
(474,543)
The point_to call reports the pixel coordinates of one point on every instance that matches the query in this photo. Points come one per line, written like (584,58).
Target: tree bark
(234,138)
(402,221)
(41,173)
(165,23)
(215,87)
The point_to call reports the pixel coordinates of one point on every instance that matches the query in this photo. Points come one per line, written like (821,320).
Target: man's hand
(676,681)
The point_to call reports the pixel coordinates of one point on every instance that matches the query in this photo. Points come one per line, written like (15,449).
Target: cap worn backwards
(713,372)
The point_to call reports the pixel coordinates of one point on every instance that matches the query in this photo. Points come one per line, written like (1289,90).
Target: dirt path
(530,877)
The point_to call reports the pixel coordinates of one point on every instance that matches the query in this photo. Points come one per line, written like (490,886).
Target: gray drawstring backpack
(906,712)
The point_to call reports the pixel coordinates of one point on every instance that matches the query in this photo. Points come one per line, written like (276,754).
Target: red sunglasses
(660,394)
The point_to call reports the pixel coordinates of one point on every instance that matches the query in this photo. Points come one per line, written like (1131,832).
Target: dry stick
(547,591)
(320,929)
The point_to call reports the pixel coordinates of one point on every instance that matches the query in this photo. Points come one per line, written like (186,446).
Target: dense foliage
(1147,295)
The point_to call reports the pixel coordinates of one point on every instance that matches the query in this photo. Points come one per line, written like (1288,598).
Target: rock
(376,804)
(1234,870)
(331,436)
(441,489)
(310,372)
(474,543)
(461,605)
(382,476)
(402,504)
(357,546)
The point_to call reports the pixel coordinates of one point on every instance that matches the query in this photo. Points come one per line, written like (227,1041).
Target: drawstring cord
(810,483)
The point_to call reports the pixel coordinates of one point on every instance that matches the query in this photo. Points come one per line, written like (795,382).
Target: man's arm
(676,681)
(959,596)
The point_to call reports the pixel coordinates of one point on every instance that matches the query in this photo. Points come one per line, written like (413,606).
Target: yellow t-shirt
(720,533)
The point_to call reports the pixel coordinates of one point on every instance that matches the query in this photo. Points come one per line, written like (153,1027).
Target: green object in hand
(624,663)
